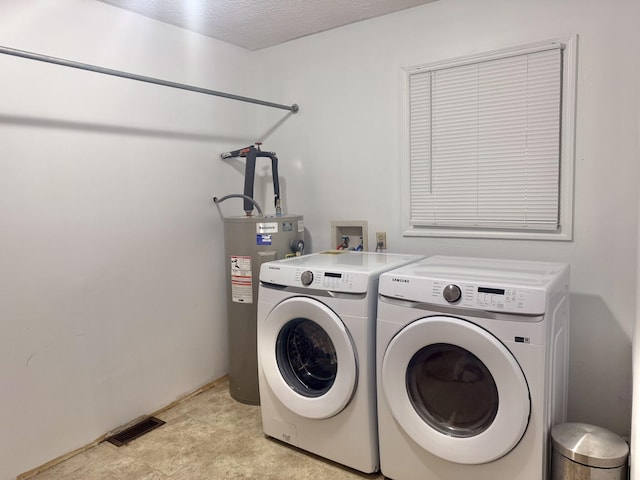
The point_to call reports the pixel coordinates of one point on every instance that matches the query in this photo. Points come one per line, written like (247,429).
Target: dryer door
(456,390)
(307,357)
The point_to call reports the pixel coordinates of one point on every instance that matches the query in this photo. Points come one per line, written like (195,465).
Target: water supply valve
(297,246)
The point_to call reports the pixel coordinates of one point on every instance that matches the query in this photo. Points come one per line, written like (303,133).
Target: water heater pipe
(217,200)
(251,153)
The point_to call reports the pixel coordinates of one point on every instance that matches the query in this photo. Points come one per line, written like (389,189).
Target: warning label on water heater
(241,280)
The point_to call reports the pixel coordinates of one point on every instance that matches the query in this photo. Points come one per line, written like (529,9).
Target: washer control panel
(313,278)
(334,281)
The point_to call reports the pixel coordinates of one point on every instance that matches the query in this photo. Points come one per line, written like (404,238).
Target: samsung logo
(273,268)
(401,280)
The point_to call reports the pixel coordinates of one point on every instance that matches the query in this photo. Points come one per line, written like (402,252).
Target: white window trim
(567,152)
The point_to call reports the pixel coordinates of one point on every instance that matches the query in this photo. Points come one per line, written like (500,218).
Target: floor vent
(135,431)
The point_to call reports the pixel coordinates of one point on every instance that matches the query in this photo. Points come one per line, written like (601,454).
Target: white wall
(111,253)
(340,155)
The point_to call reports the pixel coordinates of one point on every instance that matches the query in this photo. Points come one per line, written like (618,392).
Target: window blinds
(484,143)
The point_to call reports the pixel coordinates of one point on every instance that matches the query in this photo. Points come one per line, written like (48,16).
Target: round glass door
(452,390)
(307,357)
(456,390)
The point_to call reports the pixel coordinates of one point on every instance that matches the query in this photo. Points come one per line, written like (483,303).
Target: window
(489,145)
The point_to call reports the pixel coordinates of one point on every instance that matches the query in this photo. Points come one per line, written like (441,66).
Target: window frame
(567,147)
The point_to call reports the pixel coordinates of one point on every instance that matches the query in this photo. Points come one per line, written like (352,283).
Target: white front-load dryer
(316,357)
(472,365)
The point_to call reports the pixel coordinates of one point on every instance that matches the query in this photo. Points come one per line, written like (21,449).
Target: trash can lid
(589,445)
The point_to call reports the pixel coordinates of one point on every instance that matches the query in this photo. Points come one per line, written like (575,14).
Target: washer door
(307,357)
(456,390)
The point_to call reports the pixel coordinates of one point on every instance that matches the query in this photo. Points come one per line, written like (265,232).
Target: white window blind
(484,143)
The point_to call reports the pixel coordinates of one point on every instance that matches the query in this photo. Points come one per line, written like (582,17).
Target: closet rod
(141,78)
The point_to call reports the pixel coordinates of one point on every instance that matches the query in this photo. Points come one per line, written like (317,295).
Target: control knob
(306,278)
(452,293)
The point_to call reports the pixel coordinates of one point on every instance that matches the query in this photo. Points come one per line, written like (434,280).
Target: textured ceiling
(256,24)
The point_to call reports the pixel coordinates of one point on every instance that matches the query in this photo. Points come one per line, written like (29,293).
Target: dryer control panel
(518,287)
(507,299)
(514,300)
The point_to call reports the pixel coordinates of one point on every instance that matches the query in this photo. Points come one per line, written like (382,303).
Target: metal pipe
(141,78)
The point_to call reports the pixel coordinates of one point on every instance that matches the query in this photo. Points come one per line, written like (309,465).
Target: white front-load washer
(316,357)
(472,365)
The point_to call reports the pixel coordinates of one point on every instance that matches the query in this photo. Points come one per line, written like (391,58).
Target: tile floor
(209,436)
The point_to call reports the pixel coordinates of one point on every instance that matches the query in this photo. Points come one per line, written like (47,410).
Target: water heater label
(271,227)
(241,279)
(264,239)
(300,225)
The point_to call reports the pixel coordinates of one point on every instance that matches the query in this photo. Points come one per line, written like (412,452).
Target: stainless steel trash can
(585,452)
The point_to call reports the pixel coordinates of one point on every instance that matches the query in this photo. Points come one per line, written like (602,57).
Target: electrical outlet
(381,240)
